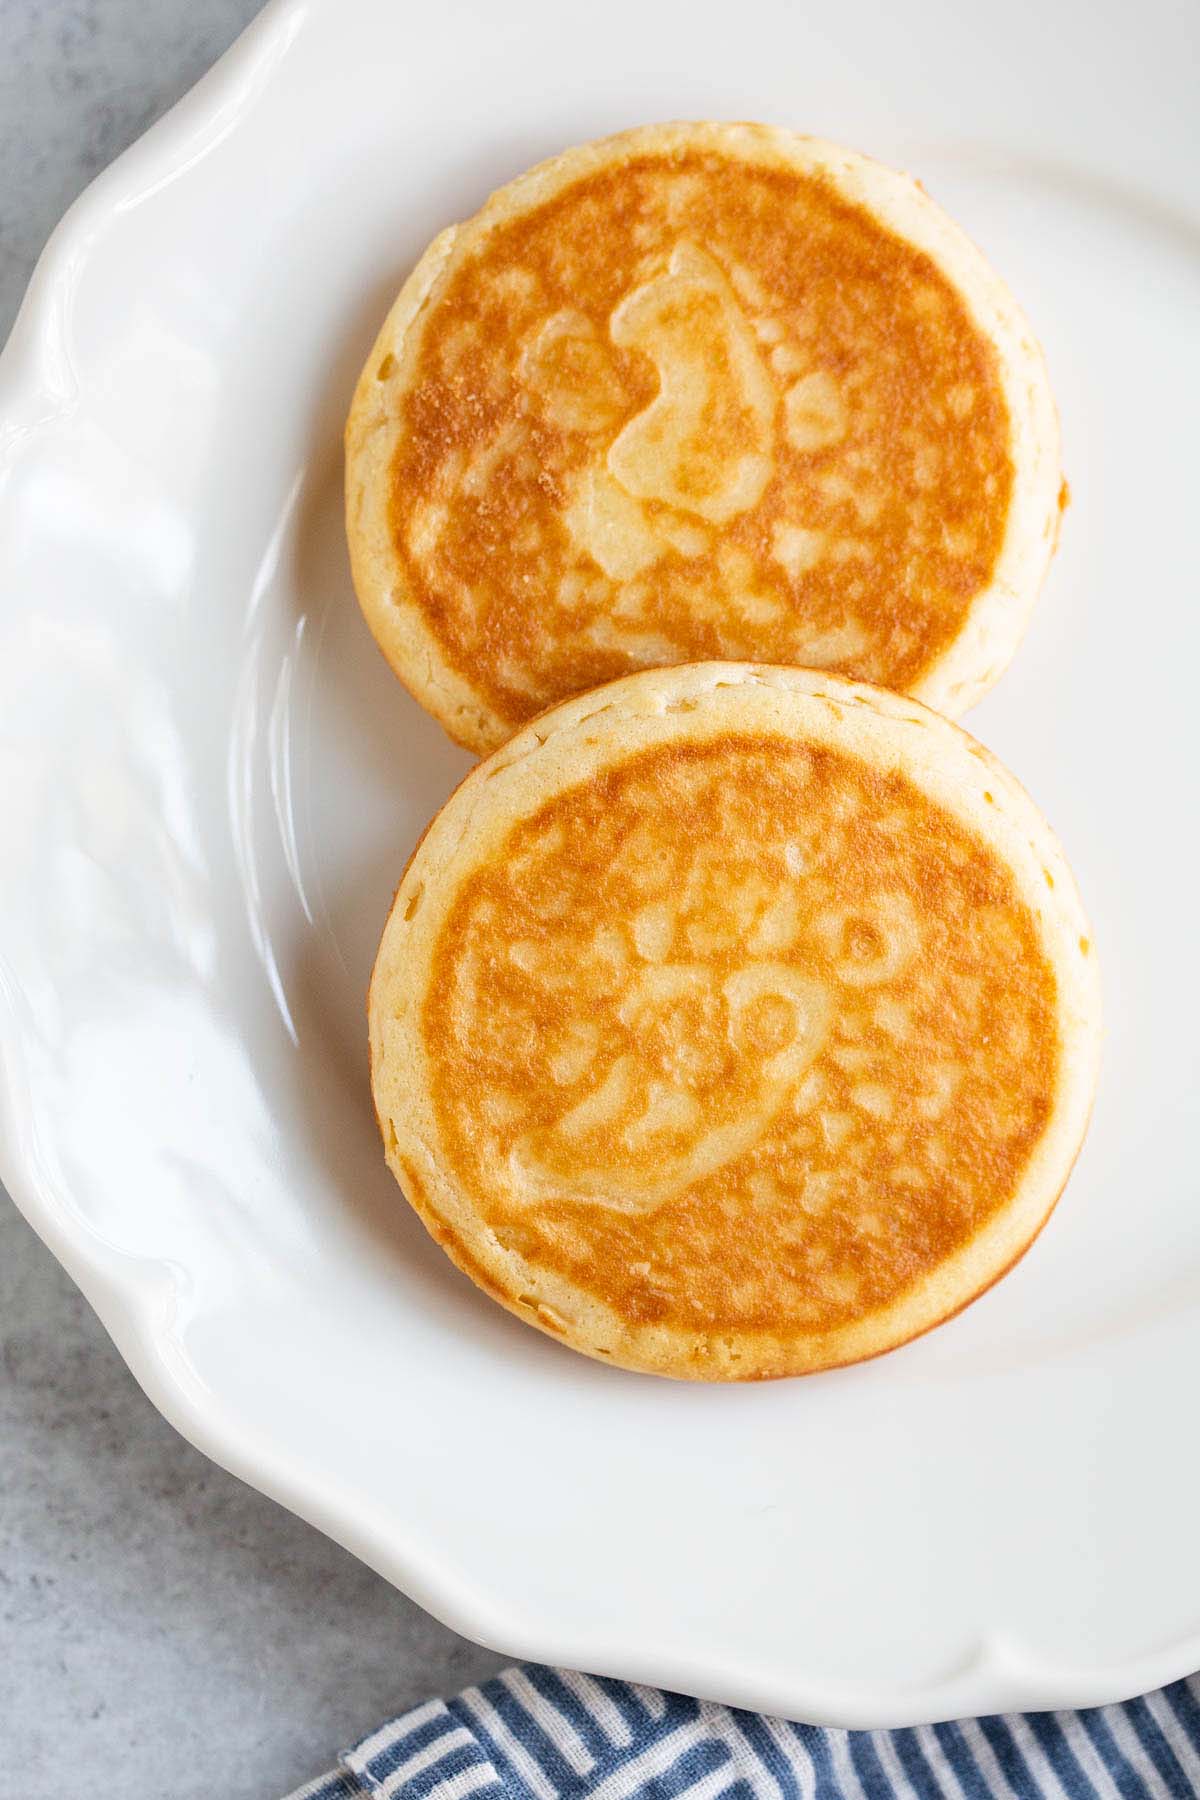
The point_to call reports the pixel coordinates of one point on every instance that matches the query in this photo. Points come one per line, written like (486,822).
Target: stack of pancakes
(738,1015)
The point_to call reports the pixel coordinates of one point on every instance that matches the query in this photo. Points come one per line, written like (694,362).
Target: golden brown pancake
(735,1022)
(699,391)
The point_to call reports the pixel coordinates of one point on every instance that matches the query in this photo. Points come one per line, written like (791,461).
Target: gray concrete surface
(163,1629)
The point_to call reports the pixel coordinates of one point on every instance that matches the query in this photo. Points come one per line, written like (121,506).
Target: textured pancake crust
(735,1022)
(699,391)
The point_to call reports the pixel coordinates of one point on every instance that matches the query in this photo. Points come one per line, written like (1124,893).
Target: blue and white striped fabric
(549,1734)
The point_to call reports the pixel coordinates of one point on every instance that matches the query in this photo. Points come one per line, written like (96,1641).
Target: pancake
(735,1022)
(699,391)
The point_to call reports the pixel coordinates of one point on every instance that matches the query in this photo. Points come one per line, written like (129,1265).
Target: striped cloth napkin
(550,1734)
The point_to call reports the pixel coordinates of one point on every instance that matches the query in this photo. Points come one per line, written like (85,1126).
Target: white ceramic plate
(209,783)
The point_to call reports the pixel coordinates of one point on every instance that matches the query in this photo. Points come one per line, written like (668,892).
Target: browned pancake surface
(696,407)
(741,1034)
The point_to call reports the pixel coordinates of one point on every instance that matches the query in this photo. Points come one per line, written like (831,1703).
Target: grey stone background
(163,1630)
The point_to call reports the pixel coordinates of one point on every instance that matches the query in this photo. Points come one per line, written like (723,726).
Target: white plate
(209,783)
